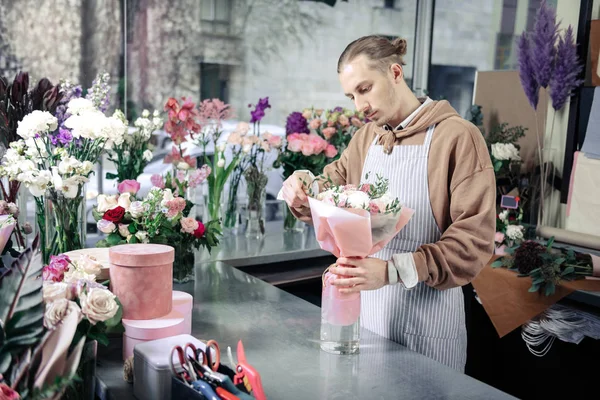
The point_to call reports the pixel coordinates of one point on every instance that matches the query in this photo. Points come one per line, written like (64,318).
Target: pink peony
(157,181)
(189,225)
(330,151)
(329,132)
(129,186)
(499,237)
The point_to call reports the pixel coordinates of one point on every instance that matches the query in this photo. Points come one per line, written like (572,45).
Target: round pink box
(141,276)
(184,302)
(141,331)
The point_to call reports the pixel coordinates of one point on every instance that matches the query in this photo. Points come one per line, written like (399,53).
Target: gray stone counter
(280,333)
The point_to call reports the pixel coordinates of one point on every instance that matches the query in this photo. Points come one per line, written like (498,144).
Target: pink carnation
(499,237)
(158,181)
(175,206)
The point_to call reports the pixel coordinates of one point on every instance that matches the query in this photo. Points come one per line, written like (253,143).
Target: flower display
(509,231)
(70,287)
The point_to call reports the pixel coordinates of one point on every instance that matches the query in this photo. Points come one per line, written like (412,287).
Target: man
(437,163)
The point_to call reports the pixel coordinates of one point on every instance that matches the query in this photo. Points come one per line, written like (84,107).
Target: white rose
(142,236)
(125,201)
(106,226)
(73,275)
(503,216)
(124,230)
(106,203)
(98,305)
(89,265)
(514,232)
(357,199)
(136,209)
(57,310)
(147,156)
(52,291)
(505,151)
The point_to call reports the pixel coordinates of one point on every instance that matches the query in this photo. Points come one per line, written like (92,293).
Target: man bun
(400,46)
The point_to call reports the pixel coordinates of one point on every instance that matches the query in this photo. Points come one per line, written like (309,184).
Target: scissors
(246,374)
(189,373)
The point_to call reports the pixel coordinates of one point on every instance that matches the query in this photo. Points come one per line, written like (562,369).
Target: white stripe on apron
(426,320)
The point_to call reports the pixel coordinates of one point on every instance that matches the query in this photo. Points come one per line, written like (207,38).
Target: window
(214,81)
(388,4)
(215,10)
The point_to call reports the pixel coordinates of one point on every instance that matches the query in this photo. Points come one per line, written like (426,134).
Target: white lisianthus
(58,309)
(69,186)
(221,147)
(98,305)
(167,196)
(514,232)
(147,156)
(505,151)
(68,165)
(52,291)
(36,122)
(183,165)
(246,148)
(106,203)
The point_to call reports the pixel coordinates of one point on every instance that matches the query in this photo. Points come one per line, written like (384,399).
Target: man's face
(372,91)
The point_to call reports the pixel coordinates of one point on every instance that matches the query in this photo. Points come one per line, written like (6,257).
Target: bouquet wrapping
(356,222)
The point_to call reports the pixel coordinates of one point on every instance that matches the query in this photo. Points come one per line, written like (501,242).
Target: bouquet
(353,221)
(135,152)
(509,231)
(161,217)
(548,266)
(70,286)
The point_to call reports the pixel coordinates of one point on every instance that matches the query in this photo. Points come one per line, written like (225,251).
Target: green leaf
(133,240)
(550,243)
(100,337)
(498,263)
(119,328)
(96,214)
(110,175)
(550,289)
(113,239)
(5,360)
(102,243)
(116,319)
(132,228)
(567,271)
(534,288)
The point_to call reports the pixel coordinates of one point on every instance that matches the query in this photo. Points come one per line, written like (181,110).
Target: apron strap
(428,138)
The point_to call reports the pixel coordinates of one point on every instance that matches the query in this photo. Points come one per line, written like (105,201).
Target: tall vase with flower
(257,146)
(56,168)
(240,146)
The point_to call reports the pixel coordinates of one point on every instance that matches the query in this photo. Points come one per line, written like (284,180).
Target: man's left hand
(356,274)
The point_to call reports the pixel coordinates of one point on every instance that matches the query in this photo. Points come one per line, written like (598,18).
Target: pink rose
(318,143)
(315,123)
(365,187)
(188,225)
(343,120)
(330,151)
(129,186)
(53,274)
(329,132)
(499,237)
(374,208)
(157,181)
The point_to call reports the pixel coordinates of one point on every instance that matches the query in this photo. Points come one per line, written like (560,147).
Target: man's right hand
(293,189)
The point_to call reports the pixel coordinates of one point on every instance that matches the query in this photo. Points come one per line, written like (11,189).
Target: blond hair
(379,50)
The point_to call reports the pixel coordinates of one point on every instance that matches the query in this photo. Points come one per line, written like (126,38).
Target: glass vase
(183,265)
(256,207)
(231,213)
(64,221)
(290,222)
(213,202)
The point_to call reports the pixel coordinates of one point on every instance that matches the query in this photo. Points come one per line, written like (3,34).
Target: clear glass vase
(64,221)
(290,222)
(231,213)
(183,265)
(256,209)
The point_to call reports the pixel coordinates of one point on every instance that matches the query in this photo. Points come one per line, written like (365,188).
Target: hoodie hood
(432,114)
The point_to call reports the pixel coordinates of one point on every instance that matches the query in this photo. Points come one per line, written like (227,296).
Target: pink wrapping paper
(348,233)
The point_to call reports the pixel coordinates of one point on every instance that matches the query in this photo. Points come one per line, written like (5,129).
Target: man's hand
(293,190)
(356,274)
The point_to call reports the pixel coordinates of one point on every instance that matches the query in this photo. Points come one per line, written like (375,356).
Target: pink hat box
(184,303)
(141,276)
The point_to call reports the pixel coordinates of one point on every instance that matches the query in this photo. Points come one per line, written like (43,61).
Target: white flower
(36,122)
(105,226)
(145,113)
(52,291)
(106,203)
(124,230)
(73,275)
(503,216)
(514,232)
(167,196)
(58,309)
(247,147)
(68,165)
(136,209)
(89,265)
(183,165)
(142,236)
(80,105)
(221,147)
(147,156)
(125,201)
(505,151)
(357,199)
(69,186)
(91,194)
(221,163)
(98,305)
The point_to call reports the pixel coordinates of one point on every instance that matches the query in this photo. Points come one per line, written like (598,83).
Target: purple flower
(64,136)
(543,51)
(259,111)
(338,109)
(296,123)
(530,85)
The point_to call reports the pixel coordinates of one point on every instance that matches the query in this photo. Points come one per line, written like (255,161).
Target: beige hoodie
(462,190)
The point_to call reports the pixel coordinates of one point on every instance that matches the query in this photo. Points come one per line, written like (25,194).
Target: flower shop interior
(148,249)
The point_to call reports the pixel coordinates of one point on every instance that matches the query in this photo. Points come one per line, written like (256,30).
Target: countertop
(280,333)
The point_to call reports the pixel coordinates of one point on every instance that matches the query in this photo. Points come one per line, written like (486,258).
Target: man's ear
(397,72)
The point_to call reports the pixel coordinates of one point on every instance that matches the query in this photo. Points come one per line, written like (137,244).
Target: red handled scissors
(248,375)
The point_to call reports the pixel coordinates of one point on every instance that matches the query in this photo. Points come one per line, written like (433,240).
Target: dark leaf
(550,289)
(5,360)
(110,175)
(497,263)
(534,288)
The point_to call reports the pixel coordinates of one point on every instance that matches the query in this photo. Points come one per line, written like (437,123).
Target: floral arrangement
(337,126)
(182,122)
(55,161)
(135,152)
(70,286)
(16,101)
(258,145)
(509,231)
(545,265)
(160,217)
(180,181)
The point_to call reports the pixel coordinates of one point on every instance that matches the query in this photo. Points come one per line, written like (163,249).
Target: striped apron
(426,320)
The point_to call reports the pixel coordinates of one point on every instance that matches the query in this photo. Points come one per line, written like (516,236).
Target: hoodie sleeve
(463,201)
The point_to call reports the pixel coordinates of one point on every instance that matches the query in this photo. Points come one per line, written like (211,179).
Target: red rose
(199,232)
(114,215)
